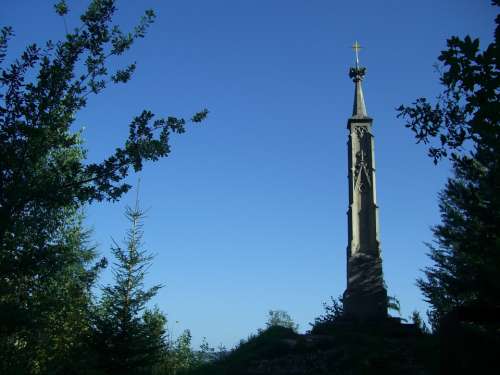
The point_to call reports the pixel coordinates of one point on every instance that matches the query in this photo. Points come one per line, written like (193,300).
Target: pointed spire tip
(357,74)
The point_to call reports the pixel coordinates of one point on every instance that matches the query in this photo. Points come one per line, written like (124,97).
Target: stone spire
(358,108)
(365,296)
(357,74)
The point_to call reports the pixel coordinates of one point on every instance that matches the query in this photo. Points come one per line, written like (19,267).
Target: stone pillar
(366,295)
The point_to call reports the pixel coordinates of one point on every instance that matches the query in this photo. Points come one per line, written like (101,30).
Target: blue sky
(248,213)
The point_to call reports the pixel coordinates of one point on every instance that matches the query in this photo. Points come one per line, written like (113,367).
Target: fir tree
(129,337)
(52,331)
(45,177)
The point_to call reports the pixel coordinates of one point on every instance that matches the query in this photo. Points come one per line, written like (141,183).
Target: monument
(365,297)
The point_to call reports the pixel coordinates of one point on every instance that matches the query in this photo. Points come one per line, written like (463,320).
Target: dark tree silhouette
(462,285)
(465,120)
(45,178)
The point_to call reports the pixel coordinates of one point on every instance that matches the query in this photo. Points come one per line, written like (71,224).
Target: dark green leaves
(45,178)
(61,8)
(467,109)
(120,42)
(146,20)
(5,33)
(464,125)
(128,337)
(123,75)
(200,116)
(50,103)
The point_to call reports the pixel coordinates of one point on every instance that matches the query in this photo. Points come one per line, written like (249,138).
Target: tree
(44,176)
(179,356)
(417,320)
(129,338)
(280,318)
(465,122)
(51,334)
(334,312)
(462,285)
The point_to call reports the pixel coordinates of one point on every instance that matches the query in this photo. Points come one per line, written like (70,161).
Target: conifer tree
(129,337)
(50,335)
(45,177)
(463,282)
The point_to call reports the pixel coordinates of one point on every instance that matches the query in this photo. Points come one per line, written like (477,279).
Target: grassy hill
(339,348)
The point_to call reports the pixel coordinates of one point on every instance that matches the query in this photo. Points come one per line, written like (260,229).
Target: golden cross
(356,47)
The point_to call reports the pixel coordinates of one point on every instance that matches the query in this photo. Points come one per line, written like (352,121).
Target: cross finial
(356,47)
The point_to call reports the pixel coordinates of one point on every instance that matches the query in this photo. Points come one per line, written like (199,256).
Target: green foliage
(416,319)
(61,8)
(280,318)
(345,349)
(46,272)
(462,285)
(466,112)
(128,337)
(5,33)
(333,313)
(51,325)
(266,345)
(463,282)
(180,358)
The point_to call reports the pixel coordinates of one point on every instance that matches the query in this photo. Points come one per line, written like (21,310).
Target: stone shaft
(366,295)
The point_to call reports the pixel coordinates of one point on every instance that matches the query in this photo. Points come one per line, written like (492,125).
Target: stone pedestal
(365,297)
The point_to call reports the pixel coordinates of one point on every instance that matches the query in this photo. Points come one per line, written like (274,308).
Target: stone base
(365,297)
(366,305)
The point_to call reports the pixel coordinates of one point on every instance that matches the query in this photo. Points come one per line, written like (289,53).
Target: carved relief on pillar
(362,178)
(360,132)
(361,172)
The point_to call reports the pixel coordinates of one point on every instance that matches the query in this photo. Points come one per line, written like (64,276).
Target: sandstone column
(366,295)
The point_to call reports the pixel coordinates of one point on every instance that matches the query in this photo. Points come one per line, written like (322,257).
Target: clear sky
(248,213)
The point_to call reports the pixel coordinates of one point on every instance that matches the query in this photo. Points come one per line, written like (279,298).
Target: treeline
(51,321)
